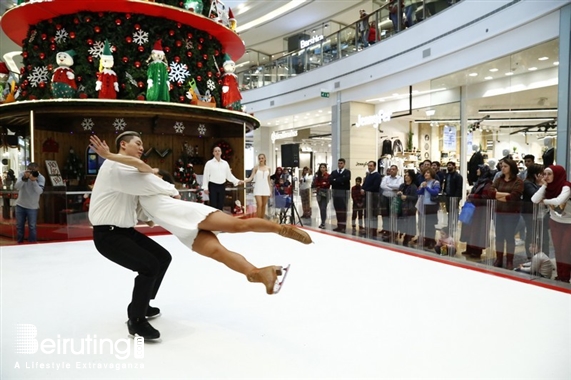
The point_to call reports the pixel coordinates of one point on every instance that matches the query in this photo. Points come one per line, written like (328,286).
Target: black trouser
(133,250)
(340,199)
(217,194)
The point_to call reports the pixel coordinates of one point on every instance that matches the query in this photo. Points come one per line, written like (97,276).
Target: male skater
(113,214)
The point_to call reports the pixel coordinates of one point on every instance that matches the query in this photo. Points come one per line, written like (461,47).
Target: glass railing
(381,24)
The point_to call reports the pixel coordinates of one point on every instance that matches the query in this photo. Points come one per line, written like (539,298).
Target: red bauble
(205,57)
(89,41)
(50,67)
(25,54)
(140,84)
(178,43)
(129,39)
(24,93)
(53,47)
(76,21)
(50,21)
(125,59)
(199,65)
(181,99)
(137,64)
(29,67)
(42,56)
(137,26)
(25,83)
(32,97)
(72,35)
(79,78)
(140,97)
(22,70)
(189,36)
(97,29)
(189,54)
(218,74)
(42,84)
(220,82)
(171,32)
(201,40)
(167,49)
(36,47)
(177,59)
(209,74)
(88,19)
(83,95)
(216,53)
(199,46)
(90,59)
(170,86)
(52,39)
(127,16)
(44,36)
(199,78)
(178,25)
(123,86)
(118,22)
(141,48)
(58,26)
(179,84)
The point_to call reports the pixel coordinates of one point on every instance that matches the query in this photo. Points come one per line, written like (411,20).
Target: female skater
(192,223)
(261,177)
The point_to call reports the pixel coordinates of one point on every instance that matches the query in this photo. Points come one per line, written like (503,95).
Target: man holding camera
(30,186)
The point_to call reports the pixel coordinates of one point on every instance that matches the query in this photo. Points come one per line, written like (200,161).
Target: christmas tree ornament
(107,83)
(231,98)
(63,79)
(157,75)
(72,35)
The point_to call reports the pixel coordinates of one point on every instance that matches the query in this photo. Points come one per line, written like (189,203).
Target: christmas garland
(225,148)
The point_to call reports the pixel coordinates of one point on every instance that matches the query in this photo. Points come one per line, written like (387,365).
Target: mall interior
(460,80)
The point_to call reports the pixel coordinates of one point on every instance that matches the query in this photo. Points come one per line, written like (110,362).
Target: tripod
(291,210)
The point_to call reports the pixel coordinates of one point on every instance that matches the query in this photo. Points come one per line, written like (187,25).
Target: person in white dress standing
(261,177)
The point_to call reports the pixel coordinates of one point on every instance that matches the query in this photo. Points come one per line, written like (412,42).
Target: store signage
(373,120)
(282,135)
(305,43)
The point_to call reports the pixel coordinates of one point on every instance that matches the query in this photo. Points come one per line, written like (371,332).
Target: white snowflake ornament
(178,127)
(119,124)
(178,72)
(61,36)
(210,84)
(87,124)
(38,75)
(140,37)
(201,129)
(97,49)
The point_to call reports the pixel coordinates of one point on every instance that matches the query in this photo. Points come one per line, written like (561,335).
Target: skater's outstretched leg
(207,244)
(219,221)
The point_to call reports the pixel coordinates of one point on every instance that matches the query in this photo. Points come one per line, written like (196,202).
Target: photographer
(30,186)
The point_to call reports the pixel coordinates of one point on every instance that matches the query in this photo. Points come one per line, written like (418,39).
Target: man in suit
(340,181)
(371,190)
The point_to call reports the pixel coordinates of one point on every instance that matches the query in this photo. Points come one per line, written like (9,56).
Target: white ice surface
(347,310)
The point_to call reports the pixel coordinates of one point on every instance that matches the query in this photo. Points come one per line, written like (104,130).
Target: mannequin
(549,154)
(475,160)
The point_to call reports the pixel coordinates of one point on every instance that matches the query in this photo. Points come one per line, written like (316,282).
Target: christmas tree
(73,168)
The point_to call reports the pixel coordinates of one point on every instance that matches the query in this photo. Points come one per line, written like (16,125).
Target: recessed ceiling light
(488,78)
(510,73)
(556,63)
(543,58)
(532,68)
(473,74)
(320,111)
(395,94)
(493,70)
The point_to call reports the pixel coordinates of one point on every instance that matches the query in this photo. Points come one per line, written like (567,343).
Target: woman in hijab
(554,192)
(476,233)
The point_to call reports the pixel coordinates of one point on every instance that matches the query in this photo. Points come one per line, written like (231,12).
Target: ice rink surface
(347,310)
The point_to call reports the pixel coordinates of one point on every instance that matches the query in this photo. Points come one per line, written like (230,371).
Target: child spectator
(445,245)
(540,264)
(358,206)
(372,33)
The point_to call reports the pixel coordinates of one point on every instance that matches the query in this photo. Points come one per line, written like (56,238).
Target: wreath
(225,148)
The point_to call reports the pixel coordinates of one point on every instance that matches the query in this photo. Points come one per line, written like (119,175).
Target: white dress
(262,184)
(181,218)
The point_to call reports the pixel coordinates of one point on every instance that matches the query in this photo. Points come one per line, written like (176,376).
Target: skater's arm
(101,148)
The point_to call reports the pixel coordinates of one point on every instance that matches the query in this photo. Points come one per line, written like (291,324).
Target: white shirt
(561,198)
(390,185)
(115,194)
(218,172)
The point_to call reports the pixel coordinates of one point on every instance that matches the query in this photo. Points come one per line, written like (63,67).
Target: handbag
(467,213)
(563,210)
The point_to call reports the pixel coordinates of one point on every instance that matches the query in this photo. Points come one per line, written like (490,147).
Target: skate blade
(278,285)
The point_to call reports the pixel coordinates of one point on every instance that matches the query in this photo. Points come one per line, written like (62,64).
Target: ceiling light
(556,63)
(543,58)
(473,74)
(532,68)
(488,78)
(510,73)
(430,112)
(493,70)
(520,110)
